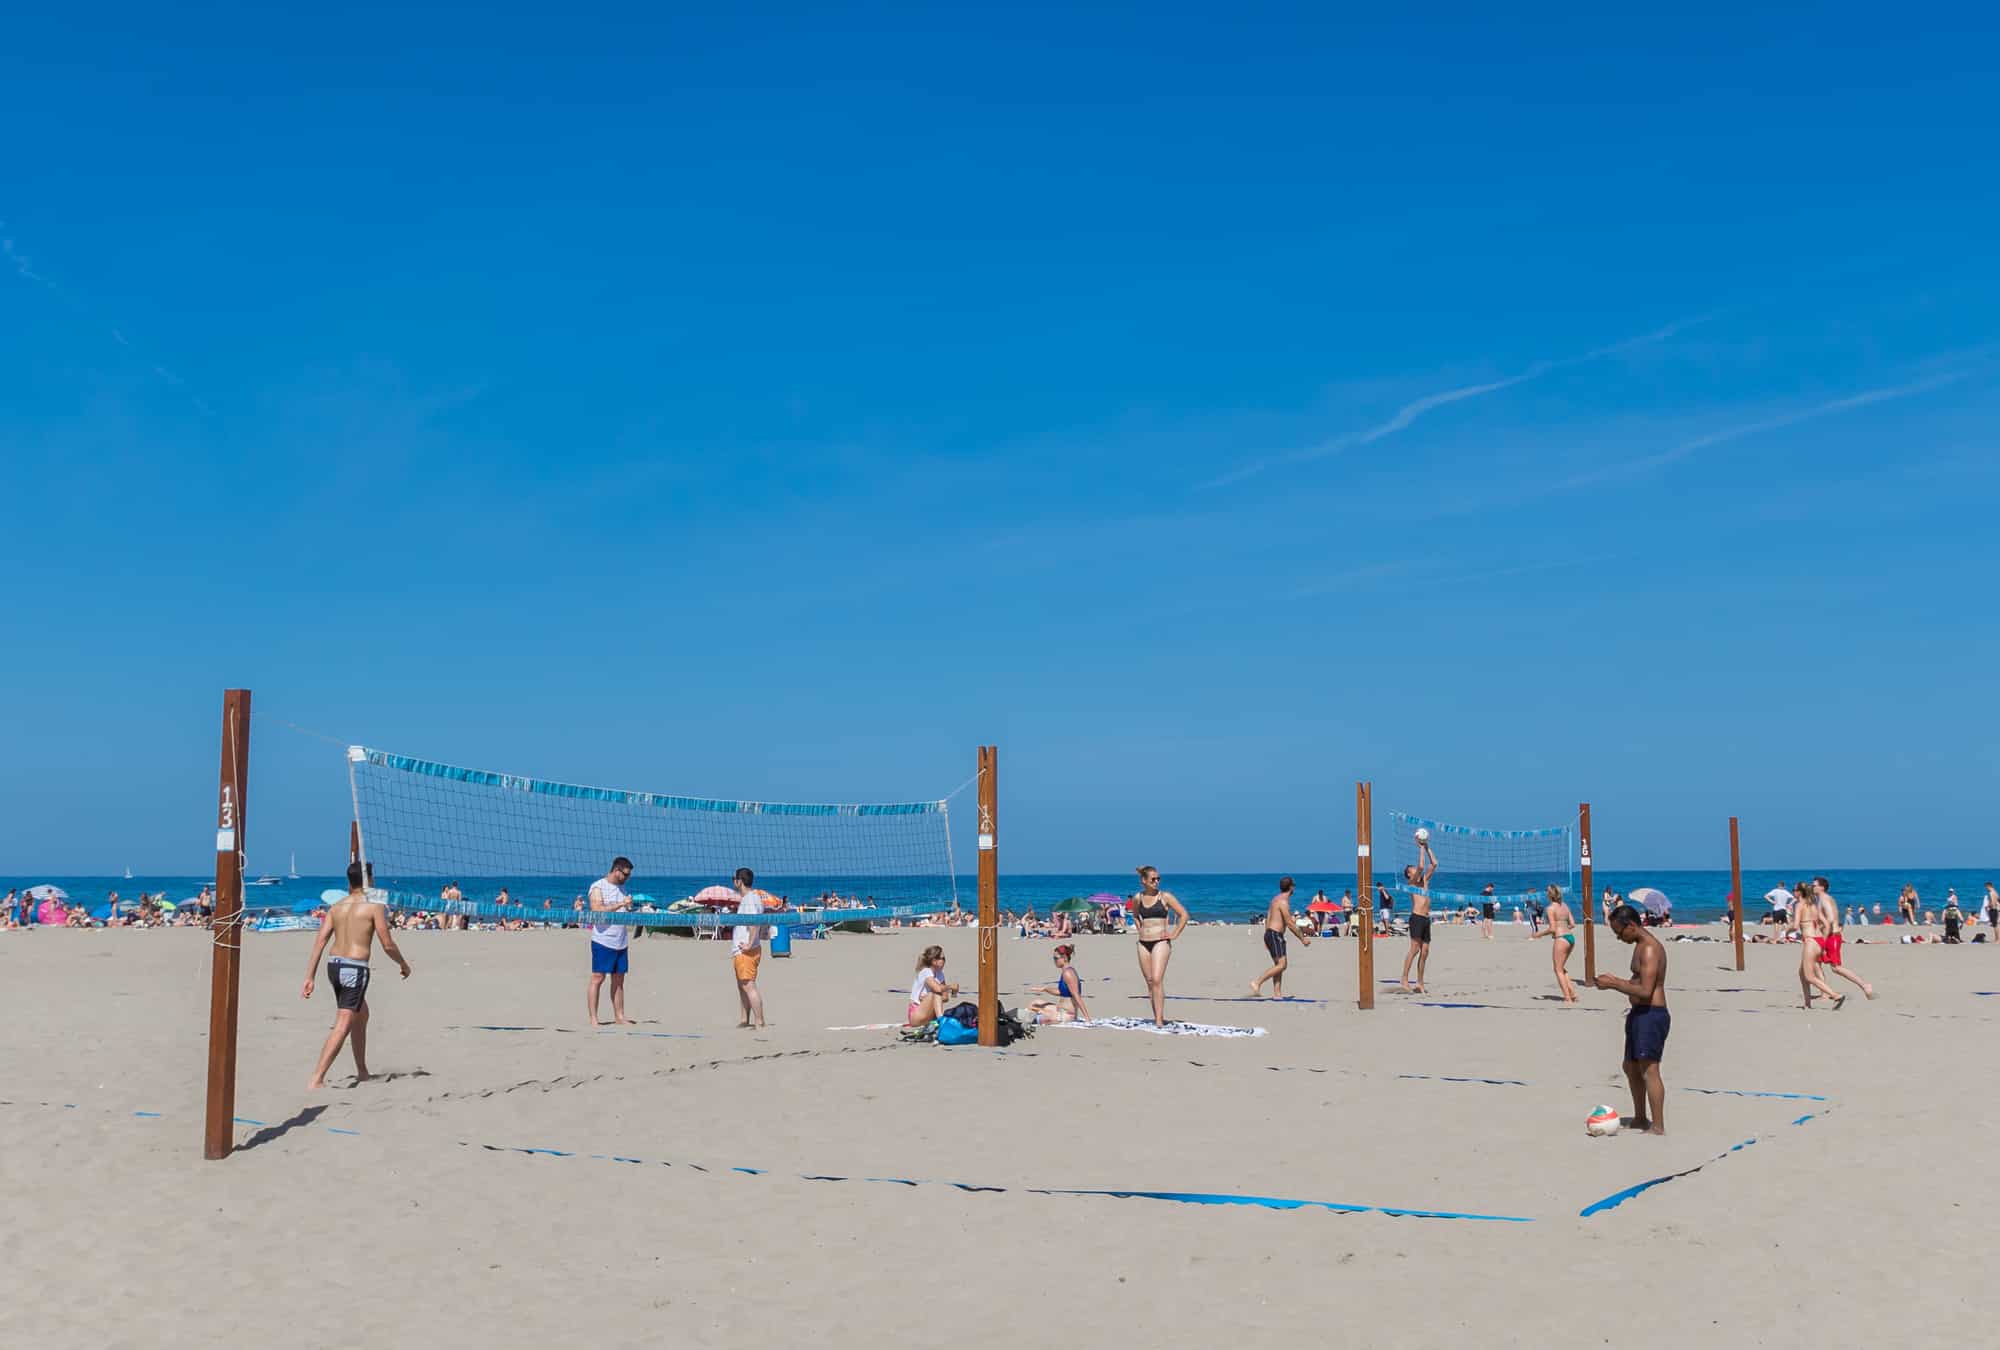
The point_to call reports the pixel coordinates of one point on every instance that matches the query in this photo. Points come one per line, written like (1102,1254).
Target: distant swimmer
(352,925)
(1562,934)
(1647,1021)
(1831,939)
(1418,877)
(1160,917)
(1278,922)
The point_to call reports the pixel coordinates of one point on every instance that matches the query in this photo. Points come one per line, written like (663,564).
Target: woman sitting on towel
(929,991)
(1068,988)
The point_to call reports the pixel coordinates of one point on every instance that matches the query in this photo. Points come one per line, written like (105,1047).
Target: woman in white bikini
(1160,917)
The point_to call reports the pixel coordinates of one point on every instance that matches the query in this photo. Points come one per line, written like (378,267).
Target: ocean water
(1697,895)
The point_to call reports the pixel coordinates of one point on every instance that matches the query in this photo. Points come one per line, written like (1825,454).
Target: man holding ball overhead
(1417,877)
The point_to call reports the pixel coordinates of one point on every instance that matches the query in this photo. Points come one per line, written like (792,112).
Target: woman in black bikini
(1160,917)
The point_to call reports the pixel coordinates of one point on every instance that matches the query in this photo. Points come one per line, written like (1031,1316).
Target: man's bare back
(347,936)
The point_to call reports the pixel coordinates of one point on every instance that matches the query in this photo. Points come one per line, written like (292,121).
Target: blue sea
(1697,895)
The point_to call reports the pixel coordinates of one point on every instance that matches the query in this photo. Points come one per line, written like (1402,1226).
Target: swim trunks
(1829,949)
(349,979)
(1420,928)
(746,964)
(1274,943)
(1646,1033)
(609,960)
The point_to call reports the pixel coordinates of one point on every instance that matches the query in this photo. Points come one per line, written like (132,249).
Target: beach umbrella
(1076,904)
(714,895)
(1107,898)
(48,893)
(1322,907)
(1654,902)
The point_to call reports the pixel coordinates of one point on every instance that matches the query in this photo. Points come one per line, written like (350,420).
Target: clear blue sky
(1210,408)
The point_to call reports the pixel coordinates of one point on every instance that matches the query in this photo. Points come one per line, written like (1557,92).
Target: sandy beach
(673,1203)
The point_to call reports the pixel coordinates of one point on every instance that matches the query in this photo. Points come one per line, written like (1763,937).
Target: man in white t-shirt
(610,943)
(746,948)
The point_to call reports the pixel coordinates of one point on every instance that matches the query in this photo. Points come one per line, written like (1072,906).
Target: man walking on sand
(746,949)
(1418,877)
(352,924)
(1278,921)
(610,943)
(1830,936)
(1646,1021)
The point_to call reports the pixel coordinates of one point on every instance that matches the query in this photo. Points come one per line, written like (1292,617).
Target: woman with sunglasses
(1068,987)
(929,991)
(1161,917)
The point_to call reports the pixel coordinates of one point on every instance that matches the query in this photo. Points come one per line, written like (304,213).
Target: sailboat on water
(292,873)
(128,873)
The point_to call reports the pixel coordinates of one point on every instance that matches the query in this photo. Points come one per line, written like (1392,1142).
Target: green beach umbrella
(1075,904)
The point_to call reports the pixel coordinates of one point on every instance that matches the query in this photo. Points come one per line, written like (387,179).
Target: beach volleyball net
(423,826)
(1520,865)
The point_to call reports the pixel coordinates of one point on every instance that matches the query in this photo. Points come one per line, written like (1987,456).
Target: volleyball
(1601,1122)
(1423,835)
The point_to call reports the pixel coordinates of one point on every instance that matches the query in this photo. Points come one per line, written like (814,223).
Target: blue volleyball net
(1518,865)
(516,848)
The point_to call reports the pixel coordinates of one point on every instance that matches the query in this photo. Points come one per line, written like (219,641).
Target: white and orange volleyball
(1602,1121)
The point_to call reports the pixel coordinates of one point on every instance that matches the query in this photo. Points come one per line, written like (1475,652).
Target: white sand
(412,1231)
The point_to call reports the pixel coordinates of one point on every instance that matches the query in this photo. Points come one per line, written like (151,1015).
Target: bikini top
(1156,910)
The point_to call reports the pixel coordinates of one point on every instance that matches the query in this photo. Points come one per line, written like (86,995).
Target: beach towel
(1170,1029)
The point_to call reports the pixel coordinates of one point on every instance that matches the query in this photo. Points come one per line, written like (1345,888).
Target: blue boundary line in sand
(1177,1197)
(1617,1198)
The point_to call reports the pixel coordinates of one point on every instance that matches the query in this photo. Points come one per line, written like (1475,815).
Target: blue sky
(1209,407)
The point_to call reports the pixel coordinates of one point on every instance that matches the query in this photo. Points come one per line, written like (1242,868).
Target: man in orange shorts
(746,948)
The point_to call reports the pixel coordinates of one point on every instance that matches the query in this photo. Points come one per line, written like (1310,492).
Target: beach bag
(967,1013)
(1008,1027)
(951,1031)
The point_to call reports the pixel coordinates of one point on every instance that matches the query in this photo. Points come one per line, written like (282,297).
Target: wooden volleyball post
(1364,889)
(1736,891)
(1589,899)
(989,897)
(226,932)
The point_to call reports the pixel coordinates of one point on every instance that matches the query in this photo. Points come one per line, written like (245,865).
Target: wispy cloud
(25,269)
(1827,409)
(1404,416)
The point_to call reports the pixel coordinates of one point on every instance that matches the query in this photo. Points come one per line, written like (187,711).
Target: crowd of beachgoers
(1952,919)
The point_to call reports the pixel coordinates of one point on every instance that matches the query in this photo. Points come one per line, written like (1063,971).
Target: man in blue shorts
(610,943)
(1646,1021)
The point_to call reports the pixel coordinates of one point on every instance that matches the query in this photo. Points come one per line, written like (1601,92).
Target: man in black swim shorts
(1647,1021)
(1278,921)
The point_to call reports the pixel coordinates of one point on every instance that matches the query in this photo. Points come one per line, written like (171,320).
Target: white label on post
(357,755)
(1586,860)
(985,842)
(225,841)
(1361,850)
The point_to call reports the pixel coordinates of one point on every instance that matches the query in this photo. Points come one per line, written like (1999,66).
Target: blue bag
(951,1031)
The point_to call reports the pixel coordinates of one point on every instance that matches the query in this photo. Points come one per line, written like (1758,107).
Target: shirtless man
(1831,937)
(1418,877)
(1811,925)
(1646,1021)
(1562,931)
(352,925)
(1278,921)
